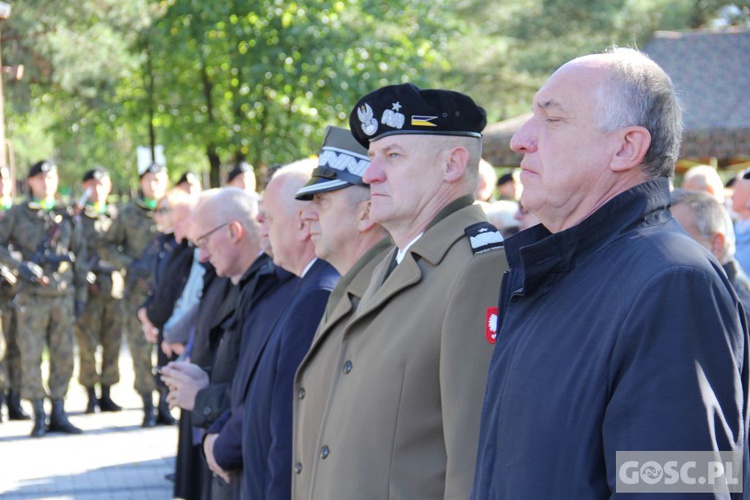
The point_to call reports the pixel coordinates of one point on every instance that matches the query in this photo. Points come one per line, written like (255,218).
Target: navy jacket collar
(537,256)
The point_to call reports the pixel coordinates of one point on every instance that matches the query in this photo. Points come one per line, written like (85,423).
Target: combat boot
(58,420)
(149,420)
(106,403)
(93,402)
(164,417)
(40,419)
(15,411)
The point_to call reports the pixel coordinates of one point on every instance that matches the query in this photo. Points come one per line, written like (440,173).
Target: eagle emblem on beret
(369,123)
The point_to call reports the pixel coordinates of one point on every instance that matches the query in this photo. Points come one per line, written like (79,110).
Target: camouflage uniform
(45,313)
(101,321)
(10,357)
(128,240)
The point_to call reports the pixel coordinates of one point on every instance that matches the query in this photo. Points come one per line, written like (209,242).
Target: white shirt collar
(307,267)
(401,253)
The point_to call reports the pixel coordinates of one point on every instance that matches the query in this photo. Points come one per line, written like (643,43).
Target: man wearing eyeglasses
(229,237)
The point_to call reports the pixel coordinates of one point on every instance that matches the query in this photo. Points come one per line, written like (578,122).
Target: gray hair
(709,216)
(230,203)
(638,92)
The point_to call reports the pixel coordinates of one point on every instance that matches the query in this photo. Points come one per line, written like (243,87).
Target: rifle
(97,266)
(8,275)
(44,256)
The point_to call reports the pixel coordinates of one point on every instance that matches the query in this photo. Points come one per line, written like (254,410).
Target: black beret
(341,163)
(188,177)
(42,166)
(153,168)
(405,109)
(95,173)
(238,169)
(505,178)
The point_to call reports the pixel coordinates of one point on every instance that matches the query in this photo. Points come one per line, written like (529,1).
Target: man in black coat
(170,274)
(230,241)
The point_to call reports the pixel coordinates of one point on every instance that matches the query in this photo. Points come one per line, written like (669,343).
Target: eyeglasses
(203,239)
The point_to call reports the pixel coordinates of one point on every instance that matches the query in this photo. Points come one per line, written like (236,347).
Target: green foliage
(259,80)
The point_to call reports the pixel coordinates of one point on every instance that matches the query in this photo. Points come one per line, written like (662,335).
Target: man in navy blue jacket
(616,332)
(267,422)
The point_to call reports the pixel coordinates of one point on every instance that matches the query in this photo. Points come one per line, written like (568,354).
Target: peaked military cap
(341,163)
(40,167)
(97,173)
(405,109)
(153,168)
(238,169)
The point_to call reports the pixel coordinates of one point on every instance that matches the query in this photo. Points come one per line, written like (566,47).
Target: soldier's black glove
(80,306)
(31,272)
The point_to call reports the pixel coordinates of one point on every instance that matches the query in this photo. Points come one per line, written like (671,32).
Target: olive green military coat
(316,372)
(402,417)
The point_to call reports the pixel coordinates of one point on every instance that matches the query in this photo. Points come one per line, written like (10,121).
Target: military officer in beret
(402,417)
(346,237)
(190,183)
(130,244)
(100,324)
(53,290)
(10,361)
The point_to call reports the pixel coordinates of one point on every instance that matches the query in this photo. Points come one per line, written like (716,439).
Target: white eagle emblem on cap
(369,123)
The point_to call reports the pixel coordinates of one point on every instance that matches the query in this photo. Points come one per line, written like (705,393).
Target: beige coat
(316,372)
(402,418)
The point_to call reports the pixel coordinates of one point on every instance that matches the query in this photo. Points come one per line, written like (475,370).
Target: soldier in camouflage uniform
(10,361)
(130,245)
(100,324)
(53,290)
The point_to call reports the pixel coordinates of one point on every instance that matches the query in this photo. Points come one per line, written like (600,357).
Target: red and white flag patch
(490,325)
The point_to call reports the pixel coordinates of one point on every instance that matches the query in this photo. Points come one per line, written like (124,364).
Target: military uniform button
(347,367)
(324,451)
(301,393)
(298,467)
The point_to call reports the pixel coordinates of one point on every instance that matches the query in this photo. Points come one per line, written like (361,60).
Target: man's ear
(303,227)
(364,221)
(455,163)
(236,231)
(718,242)
(633,146)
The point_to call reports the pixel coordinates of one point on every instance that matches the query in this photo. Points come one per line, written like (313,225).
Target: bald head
(288,233)
(637,91)
(704,178)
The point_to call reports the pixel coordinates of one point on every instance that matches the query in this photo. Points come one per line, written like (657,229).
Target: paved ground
(114,459)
